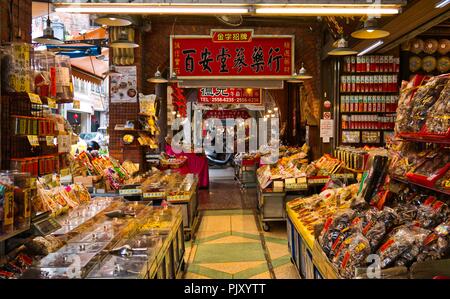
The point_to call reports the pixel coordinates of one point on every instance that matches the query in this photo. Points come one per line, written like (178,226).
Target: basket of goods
(431,46)
(417,46)
(444,46)
(429,64)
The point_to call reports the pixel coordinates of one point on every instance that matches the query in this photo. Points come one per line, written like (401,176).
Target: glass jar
(6,202)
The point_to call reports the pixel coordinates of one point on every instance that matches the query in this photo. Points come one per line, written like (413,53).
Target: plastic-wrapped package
(400,240)
(406,213)
(404,103)
(431,212)
(64,85)
(352,253)
(410,255)
(437,244)
(336,229)
(424,98)
(438,118)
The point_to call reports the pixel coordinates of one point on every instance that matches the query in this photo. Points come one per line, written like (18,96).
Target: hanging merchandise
(16,68)
(64,85)
(179,100)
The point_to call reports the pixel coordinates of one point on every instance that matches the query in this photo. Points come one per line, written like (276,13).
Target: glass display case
(128,240)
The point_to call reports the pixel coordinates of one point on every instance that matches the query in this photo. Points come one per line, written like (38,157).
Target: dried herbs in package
(352,253)
(438,118)
(336,230)
(432,212)
(437,244)
(400,244)
(404,104)
(425,97)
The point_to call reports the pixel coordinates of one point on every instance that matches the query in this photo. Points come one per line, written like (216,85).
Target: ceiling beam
(421,14)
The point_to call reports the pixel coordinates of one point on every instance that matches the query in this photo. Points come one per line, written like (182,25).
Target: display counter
(116,239)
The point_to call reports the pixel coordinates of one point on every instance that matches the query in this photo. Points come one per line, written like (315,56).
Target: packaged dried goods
(438,117)
(432,212)
(336,229)
(400,241)
(437,244)
(425,97)
(352,253)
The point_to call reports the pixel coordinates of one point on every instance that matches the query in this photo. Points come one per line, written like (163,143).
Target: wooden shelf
(405,181)
(369,73)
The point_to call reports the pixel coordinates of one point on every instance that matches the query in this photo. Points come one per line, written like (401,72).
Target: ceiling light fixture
(370,48)
(48,38)
(113,21)
(443,3)
(342,49)
(158,78)
(123,42)
(142,9)
(370,30)
(327,11)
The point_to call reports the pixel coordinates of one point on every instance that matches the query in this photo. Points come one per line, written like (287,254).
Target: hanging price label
(51,103)
(34,98)
(50,140)
(33,140)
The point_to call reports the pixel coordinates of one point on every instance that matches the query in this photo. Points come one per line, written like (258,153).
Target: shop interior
(224,140)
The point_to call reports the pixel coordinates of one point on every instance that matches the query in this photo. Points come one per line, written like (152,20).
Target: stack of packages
(424,107)
(401,227)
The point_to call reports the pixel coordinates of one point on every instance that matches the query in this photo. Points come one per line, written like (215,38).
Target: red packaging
(360,104)
(391,64)
(394,83)
(53,81)
(358,64)
(357,83)
(353,64)
(343,83)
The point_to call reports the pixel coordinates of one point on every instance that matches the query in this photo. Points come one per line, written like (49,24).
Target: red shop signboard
(225,114)
(229,96)
(232,54)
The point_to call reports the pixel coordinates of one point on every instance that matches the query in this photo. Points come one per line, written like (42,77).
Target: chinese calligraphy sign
(232,55)
(229,96)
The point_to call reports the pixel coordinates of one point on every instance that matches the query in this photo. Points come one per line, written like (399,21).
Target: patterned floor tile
(215,224)
(233,268)
(265,275)
(233,252)
(277,250)
(287,271)
(232,239)
(243,223)
(207,272)
(190,275)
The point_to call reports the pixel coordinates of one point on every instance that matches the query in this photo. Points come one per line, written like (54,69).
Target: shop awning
(90,68)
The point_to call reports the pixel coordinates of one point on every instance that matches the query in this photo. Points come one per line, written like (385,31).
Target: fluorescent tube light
(442,3)
(370,48)
(321,11)
(131,9)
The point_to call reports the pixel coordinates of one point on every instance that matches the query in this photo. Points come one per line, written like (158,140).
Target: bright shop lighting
(139,9)
(442,3)
(370,48)
(326,11)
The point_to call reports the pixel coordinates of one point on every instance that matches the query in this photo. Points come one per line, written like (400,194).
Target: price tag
(34,98)
(301,180)
(130,192)
(50,140)
(290,181)
(154,195)
(51,103)
(33,140)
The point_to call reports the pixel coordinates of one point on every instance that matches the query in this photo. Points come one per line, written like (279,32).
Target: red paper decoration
(179,100)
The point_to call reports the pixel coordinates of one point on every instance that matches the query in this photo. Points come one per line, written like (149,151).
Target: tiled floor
(229,242)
